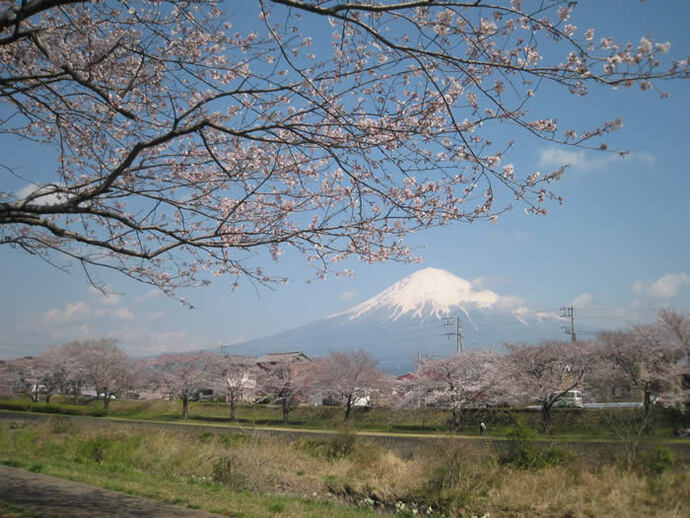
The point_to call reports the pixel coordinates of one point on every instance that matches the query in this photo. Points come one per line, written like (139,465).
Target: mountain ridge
(406,320)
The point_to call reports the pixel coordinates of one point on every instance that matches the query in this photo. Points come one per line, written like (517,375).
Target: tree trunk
(185,407)
(232,406)
(48,398)
(457,417)
(76,390)
(286,410)
(546,417)
(647,404)
(348,408)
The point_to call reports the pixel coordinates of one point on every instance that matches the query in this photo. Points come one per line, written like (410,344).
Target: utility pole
(448,322)
(568,312)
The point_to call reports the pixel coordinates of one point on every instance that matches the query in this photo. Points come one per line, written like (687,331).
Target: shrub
(522,451)
(458,484)
(229,472)
(556,456)
(659,460)
(342,443)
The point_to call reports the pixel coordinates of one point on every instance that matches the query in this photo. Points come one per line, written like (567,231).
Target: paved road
(47,497)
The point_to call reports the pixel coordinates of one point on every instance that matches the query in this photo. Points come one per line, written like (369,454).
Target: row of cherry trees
(653,358)
(101,364)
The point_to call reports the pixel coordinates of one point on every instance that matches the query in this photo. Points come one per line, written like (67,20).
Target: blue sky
(618,247)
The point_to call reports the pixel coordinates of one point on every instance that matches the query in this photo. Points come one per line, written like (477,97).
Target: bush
(458,484)
(659,460)
(228,471)
(522,451)
(52,408)
(342,443)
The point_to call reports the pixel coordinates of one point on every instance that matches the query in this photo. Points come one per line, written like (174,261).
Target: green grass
(169,467)
(344,475)
(568,424)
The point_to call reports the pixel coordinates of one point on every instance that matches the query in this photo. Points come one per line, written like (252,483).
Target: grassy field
(244,475)
(576,424)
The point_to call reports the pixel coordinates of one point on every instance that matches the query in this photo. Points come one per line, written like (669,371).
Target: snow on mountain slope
(432,292)
(405,320)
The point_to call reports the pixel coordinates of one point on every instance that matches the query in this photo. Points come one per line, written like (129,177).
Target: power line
(448,322)
(569,312)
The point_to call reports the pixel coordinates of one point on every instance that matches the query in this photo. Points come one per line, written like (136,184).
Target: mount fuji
(417,315)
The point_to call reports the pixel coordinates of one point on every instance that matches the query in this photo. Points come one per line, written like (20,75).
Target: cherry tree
(52,373)
(346,377)
(184,144)
(545,373)
(459,381)
(23,375)
(235,376)
(653,357)
(105,366)
(66,364)
(287,381)
(183,375)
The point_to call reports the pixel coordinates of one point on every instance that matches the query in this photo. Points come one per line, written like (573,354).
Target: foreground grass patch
(244,475)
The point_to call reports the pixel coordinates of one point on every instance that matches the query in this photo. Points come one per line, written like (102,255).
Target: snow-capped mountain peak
(427,292)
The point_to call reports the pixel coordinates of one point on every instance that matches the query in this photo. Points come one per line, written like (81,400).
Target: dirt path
(43,496)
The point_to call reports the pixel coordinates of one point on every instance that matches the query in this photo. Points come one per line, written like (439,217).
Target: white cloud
(124,314)
(109,298)
(582,301)
(665,287)
(581,160)
(100,305)
(348,295)
(47,194)
(638,287)
(492,280)
(151,294)
(668,286)
(70,313)
(170,341)
(547,315)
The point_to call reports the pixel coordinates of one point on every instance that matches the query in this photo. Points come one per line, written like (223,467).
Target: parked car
(571,399)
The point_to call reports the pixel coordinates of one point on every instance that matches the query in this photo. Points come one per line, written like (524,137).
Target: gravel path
(44,496)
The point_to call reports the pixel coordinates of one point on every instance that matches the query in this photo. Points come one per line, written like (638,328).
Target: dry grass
(226,472)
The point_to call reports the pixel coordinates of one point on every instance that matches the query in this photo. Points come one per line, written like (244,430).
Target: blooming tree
(74,369)
(235,376)
(22,377)
(653,357)
(546,372)
(286,381)
(52,372)
(346,377)
(105,366)
(183,375)
(185,144)
(459,381)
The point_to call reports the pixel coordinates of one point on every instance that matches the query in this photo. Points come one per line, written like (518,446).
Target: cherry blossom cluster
(188,141)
